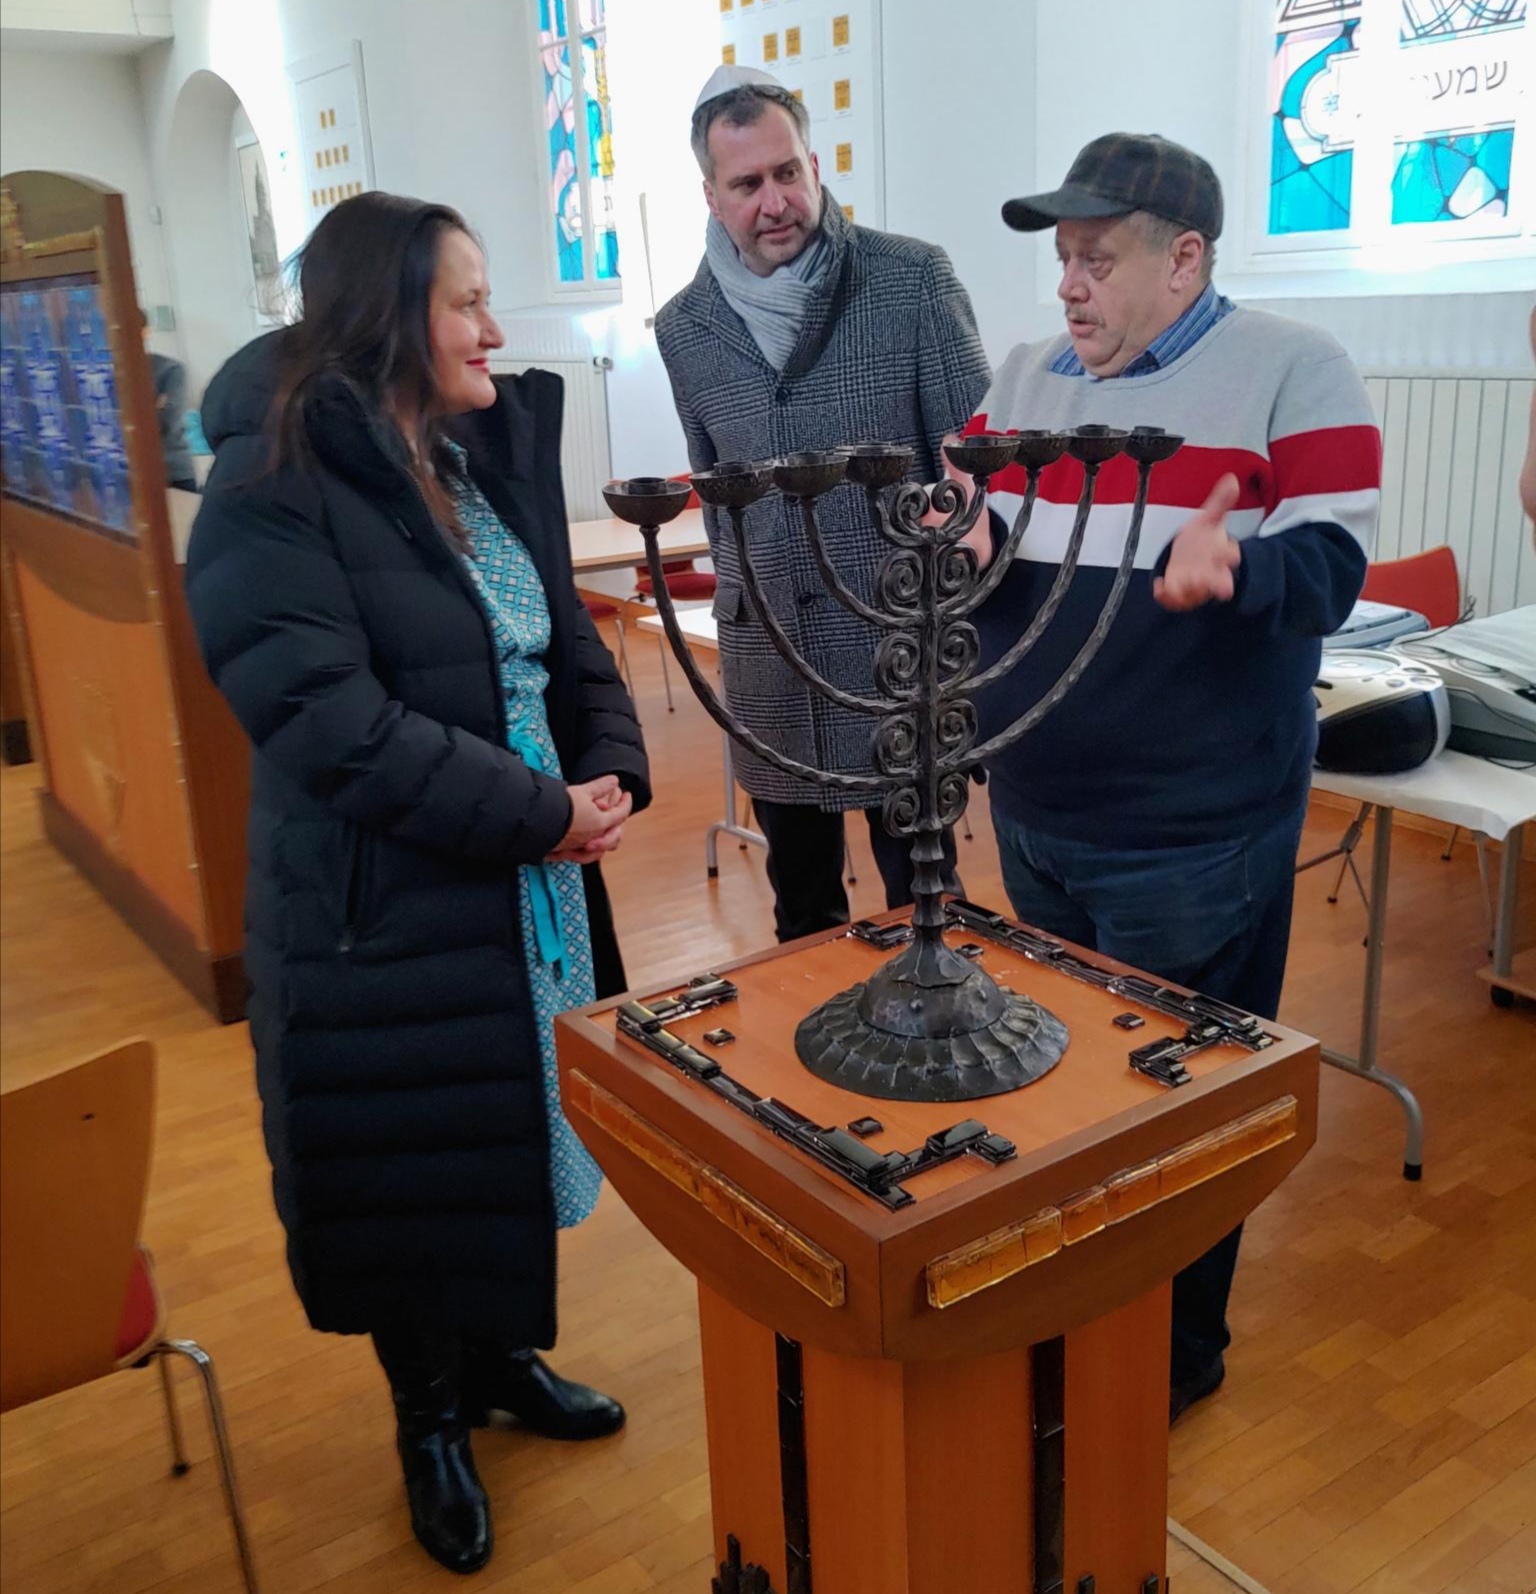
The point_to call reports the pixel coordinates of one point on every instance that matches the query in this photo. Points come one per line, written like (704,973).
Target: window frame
(1372,255)
(592,289)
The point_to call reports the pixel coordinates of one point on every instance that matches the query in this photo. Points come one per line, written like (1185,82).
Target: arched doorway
(219,229)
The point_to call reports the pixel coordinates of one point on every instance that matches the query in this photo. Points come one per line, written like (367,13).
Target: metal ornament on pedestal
(930,1024)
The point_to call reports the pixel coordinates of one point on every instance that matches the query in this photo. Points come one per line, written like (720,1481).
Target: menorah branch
(717,711)
(1002,560)
(1085,654)
(1036,628)
(835,584)
(780,638)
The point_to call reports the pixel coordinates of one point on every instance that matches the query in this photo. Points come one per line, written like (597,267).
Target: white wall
(960,139)
(452,114)
(80,113)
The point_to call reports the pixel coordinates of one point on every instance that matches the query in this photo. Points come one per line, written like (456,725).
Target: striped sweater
(1194,726)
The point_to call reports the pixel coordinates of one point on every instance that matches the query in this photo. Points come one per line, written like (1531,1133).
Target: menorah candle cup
(734,483)
(646,500)
(983,454)
(877,465)
(809,475)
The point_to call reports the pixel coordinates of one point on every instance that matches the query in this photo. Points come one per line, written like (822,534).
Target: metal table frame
(1365,1066)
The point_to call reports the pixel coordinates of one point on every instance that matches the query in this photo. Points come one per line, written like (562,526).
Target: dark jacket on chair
(397,1058)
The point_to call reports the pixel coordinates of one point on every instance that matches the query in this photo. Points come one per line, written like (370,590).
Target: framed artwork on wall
(337,151)
(261,232)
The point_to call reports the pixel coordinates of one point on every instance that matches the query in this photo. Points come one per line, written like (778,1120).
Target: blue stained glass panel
(1309,181)
(564,178)
(1453,177)
(605,243)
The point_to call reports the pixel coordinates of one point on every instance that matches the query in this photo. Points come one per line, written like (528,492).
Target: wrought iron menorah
(930,1024)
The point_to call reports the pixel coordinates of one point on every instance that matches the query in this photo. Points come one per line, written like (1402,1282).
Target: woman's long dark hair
(364,297)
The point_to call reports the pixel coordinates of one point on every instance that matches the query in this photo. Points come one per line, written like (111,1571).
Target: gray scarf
(773,307)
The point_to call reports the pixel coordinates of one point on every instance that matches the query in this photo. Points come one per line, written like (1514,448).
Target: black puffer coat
(396,1054)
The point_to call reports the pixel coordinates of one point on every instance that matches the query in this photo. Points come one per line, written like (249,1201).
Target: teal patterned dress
(552,900)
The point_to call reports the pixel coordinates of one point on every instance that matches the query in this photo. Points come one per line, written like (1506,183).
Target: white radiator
(584,438)
(1452,446)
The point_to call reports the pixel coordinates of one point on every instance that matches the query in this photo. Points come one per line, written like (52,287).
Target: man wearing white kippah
(802,331)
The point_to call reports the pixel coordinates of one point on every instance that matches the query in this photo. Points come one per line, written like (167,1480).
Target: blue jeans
(1215,917)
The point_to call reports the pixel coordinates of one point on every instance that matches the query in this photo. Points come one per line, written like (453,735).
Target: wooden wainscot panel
(726,1202)
(87,569)
(1102,1188)
(715,1134)
(1004,1254)
(114,760)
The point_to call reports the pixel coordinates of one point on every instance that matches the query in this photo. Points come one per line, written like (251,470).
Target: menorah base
(839,1044)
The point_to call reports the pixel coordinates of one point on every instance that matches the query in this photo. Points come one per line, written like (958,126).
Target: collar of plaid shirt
(1166,347)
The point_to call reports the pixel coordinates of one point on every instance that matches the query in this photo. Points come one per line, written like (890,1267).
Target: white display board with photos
(333,128)
(827,52)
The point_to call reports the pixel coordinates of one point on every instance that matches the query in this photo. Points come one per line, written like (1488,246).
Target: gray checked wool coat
(889,353)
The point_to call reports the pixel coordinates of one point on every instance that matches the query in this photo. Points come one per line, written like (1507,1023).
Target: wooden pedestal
(970,1392)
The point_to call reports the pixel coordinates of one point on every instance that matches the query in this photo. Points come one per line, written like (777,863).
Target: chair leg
(853,879)
(1346,862)
(1445,857)
(666,675)
(200,1359)
(179,1462)
(1482,875)
(1346,852)
(618,624)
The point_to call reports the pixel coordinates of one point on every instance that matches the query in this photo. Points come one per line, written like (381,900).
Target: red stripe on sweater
(1335,459)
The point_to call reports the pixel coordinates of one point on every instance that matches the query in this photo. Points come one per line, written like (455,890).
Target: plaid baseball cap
(1122,172)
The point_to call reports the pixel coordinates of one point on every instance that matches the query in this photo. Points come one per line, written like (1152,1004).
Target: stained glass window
(1395,112)
(1312,116)
(578,121)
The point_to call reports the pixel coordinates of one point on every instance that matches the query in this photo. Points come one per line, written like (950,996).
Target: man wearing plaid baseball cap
(1154,815)
(1127,190)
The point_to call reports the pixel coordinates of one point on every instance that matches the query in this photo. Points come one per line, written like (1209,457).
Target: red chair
(77,1288)
(1425,582)
(601,609)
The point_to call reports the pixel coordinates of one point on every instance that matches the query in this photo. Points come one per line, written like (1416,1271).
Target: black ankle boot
(518,1383)
(450,1514)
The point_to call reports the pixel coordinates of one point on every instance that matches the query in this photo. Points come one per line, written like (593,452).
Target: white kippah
(725,78)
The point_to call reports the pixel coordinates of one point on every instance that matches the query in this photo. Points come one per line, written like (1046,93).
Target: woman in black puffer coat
(381,583)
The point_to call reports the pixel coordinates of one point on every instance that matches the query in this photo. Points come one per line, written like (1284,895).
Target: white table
(1456,789)
(616,545)
(701,630)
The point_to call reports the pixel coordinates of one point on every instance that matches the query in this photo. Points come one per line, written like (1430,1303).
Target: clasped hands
(598,811)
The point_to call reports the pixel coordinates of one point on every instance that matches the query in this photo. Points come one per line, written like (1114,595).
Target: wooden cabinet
(145,775)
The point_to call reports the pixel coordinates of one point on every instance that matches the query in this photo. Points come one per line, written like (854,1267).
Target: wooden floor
(1377,1431)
